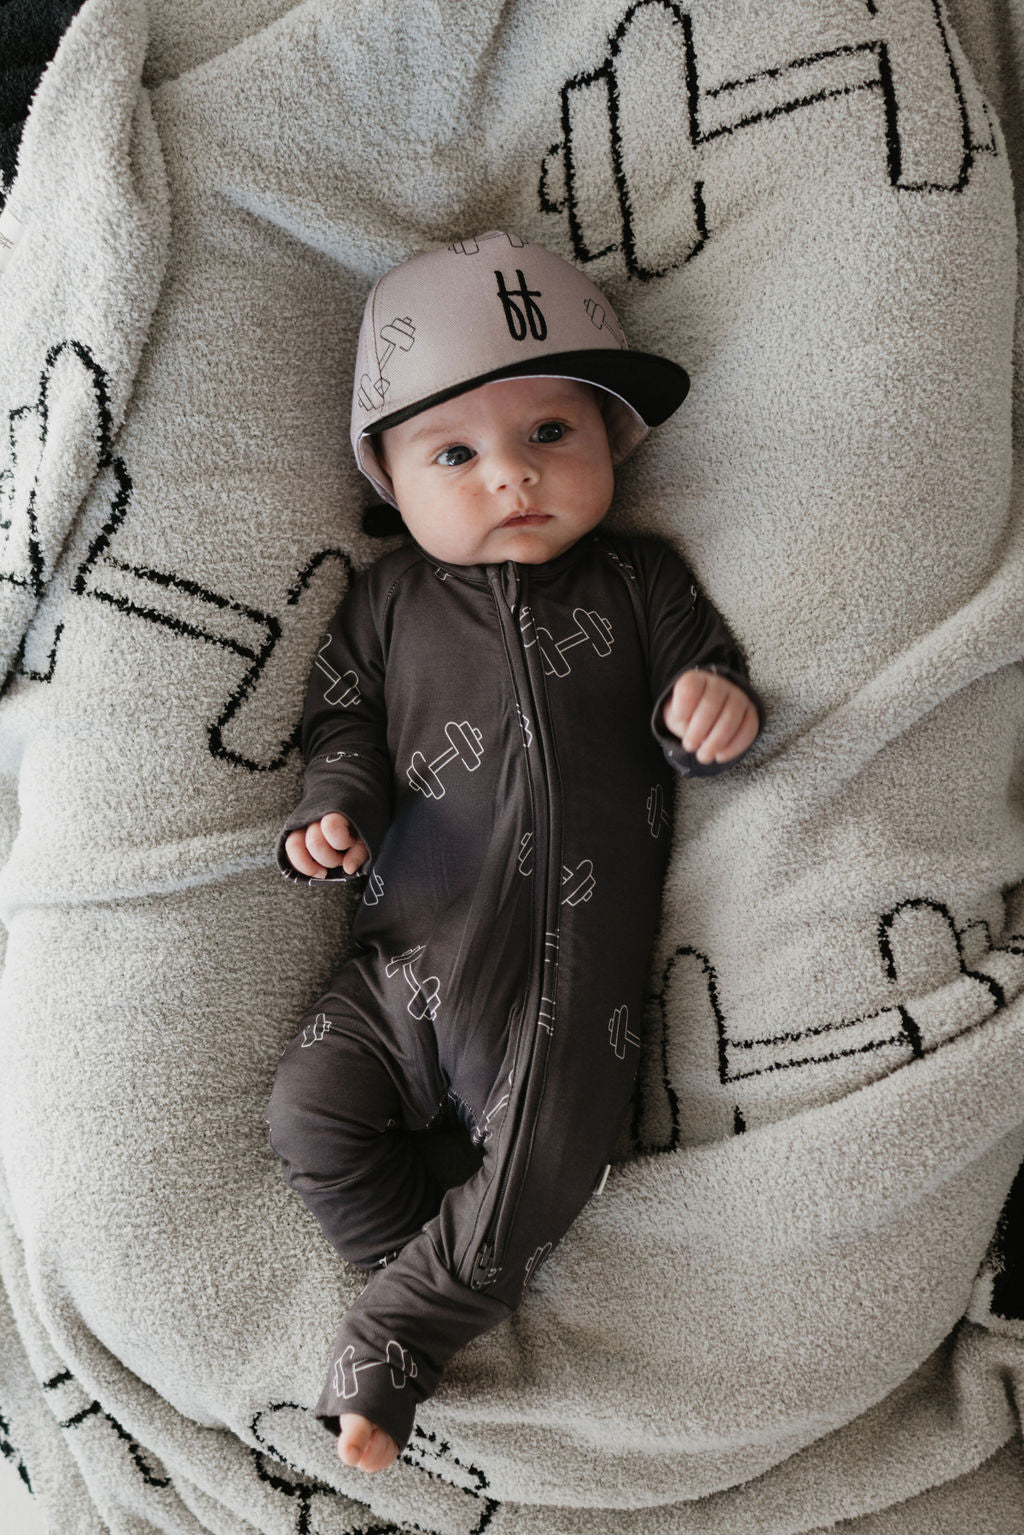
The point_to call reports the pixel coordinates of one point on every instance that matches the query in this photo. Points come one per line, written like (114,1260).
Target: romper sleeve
(344,732)
(685,630)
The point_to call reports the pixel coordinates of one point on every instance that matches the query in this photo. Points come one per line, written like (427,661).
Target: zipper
(509,589)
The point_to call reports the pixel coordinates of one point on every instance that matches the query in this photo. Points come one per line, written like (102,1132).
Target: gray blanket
(795,1307)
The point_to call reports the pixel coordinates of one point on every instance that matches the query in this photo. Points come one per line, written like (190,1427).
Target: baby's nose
(513,467)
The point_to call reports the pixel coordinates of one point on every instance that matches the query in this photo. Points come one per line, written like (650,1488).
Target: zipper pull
(483,1274)
(510,584)
(504,582)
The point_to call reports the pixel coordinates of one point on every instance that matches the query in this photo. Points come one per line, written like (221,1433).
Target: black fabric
(488,731)
(1008,1282)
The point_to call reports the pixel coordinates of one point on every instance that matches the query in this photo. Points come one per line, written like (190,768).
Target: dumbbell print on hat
(465,745)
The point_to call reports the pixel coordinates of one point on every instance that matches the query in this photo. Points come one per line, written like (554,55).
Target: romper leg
(340,1124)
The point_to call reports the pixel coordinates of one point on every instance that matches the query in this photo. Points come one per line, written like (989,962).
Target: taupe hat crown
(490,307)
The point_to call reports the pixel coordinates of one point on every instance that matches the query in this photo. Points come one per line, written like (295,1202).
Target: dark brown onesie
(494,735)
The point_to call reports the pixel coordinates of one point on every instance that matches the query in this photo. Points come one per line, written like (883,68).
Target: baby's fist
(713,717)
(329,843)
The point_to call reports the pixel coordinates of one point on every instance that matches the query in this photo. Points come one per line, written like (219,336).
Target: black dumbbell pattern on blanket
(599,180)
(601,176)
(239,732)
(473,1510)
(469,1508)
(11,1454)
(54,566)
(965,980)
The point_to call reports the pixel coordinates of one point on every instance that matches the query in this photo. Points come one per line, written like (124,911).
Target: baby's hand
(324,845)
(361,1443)
(712,717)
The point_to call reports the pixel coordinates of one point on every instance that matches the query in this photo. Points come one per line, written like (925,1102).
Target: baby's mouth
(529,515)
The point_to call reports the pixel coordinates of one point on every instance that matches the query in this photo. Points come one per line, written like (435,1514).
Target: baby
(488,732)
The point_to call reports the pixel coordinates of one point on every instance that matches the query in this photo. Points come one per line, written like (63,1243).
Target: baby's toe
(379,1453)
(356,1434)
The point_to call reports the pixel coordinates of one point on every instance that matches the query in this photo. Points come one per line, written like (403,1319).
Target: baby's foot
(361,1443)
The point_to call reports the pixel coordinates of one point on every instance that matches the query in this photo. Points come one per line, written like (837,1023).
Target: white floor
(18,1512)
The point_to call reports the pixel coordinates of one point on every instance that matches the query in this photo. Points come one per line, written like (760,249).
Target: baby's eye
(452,457)
(549,431)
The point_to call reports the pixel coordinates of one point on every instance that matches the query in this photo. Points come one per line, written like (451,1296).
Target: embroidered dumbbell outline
(397,1359)
(580,880)
(658,818)
(373,892)
(602,319)
(617,559)
(619,1032)
(496,1109)
(936,123)
(524,726)
(591,628)
(314,1032)
(343,692)
(426,995)
(465,744)
(525,859)
(535,1260)
(400,1362)
(947,980)
(546,1011)
(472,247)
(398,334)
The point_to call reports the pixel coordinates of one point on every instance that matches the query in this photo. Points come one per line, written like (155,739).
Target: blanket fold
(85,273)
(796,1306)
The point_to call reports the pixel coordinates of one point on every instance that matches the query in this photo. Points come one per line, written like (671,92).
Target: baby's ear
(382,521)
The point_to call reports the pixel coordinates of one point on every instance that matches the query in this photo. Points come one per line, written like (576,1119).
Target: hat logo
(525,316)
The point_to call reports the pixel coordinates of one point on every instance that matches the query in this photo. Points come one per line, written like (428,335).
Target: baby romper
(488,732)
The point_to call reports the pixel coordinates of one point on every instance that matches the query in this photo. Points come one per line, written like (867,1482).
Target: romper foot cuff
(381,1388)
(398,1336)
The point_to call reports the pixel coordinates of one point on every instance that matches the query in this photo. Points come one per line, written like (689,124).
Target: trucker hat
(491,307)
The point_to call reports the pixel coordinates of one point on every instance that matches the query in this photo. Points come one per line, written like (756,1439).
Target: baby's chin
(527,543)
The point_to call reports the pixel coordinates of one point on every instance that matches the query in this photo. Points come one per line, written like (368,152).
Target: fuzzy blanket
(798,1304)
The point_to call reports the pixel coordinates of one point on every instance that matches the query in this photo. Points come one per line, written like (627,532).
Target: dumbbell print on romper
(347,1370)
(619,1032)
(465,745)
(344,687)
(591,629)
(314,1033)
(426,994)
(658,817)
(578,884)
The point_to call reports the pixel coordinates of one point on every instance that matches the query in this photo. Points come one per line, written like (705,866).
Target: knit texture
(796,1306)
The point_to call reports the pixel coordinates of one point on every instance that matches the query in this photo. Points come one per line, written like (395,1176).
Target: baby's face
(515,470)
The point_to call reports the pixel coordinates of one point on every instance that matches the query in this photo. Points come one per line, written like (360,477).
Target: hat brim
(654,387)
(648,389)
